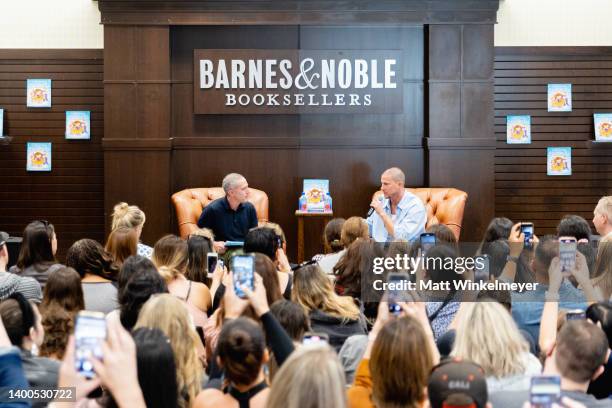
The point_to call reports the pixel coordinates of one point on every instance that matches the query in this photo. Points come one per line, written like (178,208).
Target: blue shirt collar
(402,205)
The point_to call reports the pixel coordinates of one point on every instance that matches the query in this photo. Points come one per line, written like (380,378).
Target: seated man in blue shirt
(401,215)
(232,216)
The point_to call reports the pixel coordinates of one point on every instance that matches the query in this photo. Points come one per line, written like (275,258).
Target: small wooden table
(300,234)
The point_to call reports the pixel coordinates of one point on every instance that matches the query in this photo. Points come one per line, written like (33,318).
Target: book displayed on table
(315,197)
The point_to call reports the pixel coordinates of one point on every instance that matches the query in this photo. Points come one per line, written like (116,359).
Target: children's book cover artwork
(603,127)
(559,161)
(38,157)
(559,97)
(38,93)
(78,125)
(518,129)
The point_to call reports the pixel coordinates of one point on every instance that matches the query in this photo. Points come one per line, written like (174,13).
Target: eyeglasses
(303,264)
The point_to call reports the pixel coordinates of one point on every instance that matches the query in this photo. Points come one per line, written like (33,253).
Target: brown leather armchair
(189,204)
(444,206)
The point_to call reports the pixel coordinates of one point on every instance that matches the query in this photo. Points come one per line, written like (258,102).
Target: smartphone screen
(545,390)
(527,230)
(243,269)
(575,315)
(89,333)
(567,254)
(482,268)
(395,293)
(428,241)
(211,260)
(314,338)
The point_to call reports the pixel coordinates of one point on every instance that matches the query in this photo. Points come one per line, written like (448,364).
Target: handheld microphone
(371,210)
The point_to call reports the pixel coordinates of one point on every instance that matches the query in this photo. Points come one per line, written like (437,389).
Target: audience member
(332,245)
(130,216)
(578,357)
(199,245)
(264,269)
(311,377)
(121,244)
(170,256)
(397,361)
(12,375)
(601,315)
(337,316)
(602,218)
(444,235)
(11,283)
(353,229)
(527,306)
(498,228)
(156,368)
(242,354)
(442,305)
(280,344)
(456,383)
(62,300)
(117,372)
(167,313)
(487,336)
(356,264)
(98,274)
(144,281)
(265,241)
(37,254)
(332,236)
(292,317)
(574,226)
(23,326)
(280,234)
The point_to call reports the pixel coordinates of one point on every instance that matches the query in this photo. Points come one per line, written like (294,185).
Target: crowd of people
(178,333)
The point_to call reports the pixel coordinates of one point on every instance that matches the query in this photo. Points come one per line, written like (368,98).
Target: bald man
(401,215)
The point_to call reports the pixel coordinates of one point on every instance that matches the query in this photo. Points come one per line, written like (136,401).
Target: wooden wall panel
(523,191)
(276,152)
(71,196)
(460,140)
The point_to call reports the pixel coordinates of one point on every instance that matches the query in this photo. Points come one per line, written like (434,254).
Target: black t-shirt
(227,224)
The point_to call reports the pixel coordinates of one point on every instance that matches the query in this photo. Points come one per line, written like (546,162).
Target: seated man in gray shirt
(578,358)
(11,283)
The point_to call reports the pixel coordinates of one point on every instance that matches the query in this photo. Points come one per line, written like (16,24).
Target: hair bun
(122,207)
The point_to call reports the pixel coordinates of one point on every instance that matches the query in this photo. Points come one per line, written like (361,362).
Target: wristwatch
(511,258)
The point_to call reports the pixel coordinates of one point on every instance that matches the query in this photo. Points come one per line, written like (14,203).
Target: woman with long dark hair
(37,254)
(98,274)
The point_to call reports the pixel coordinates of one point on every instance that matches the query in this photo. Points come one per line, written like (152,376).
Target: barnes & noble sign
(297,81)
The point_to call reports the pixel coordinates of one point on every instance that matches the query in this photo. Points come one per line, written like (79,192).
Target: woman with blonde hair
(121,244)
(170,256)
(130,216)
(502,353)
(353,229)
(167,313)
(312,376)
(338,316)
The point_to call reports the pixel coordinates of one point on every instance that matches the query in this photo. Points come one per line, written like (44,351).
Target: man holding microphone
(400,215)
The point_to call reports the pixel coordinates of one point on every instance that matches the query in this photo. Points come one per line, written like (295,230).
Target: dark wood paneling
(461,128)
(333,12)
(523,191)
(71,196)
(137,93)
(277,152)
